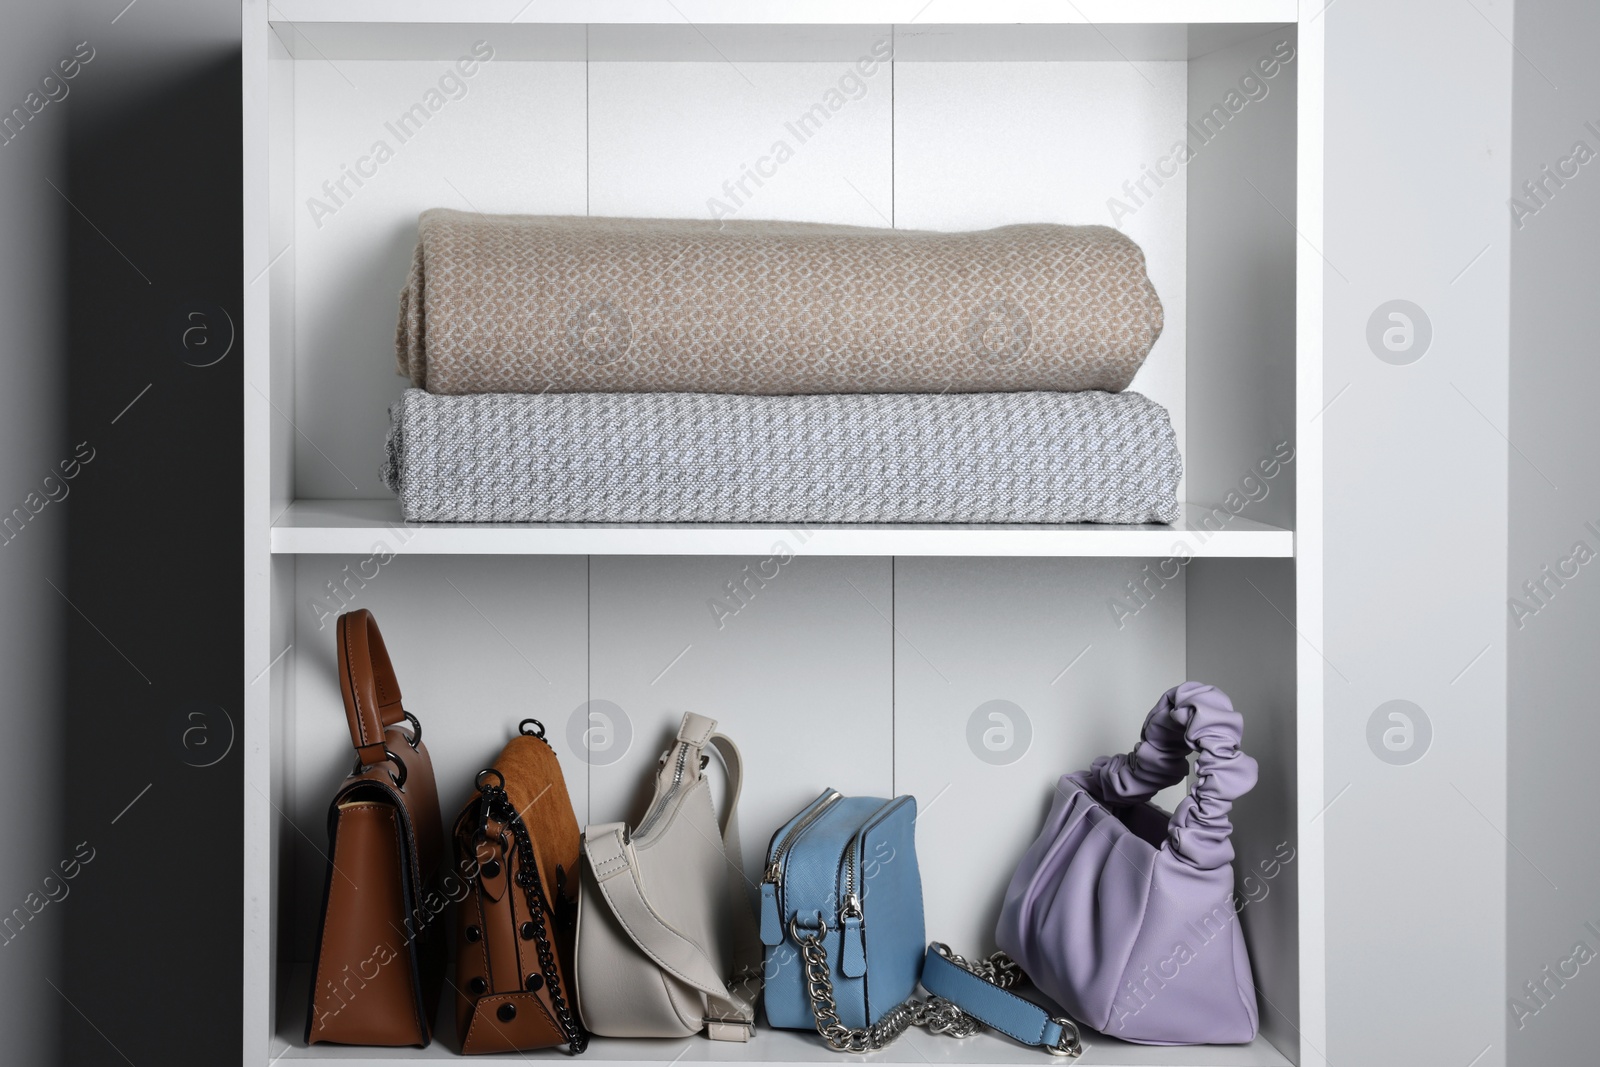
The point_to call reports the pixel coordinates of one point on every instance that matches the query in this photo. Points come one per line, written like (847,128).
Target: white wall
(1554,672)
(1418,145)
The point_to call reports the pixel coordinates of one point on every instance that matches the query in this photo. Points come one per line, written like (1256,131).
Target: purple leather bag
(1125,915)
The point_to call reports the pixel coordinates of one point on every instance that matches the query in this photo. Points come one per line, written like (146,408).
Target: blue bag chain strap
(976,994)
(965,997)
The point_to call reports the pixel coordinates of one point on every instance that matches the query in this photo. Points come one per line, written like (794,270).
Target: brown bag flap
(536,787)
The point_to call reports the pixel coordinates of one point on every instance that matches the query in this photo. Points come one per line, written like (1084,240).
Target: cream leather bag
(666,932)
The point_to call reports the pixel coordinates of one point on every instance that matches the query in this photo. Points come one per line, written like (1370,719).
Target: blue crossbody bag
(841,922)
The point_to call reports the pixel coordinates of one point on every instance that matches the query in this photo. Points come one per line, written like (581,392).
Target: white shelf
(791,12)
(775,1047)
(919,42)
(355,527)
(779,1047)
(749,34)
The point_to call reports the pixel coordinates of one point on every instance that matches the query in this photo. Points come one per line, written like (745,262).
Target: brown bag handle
(367,682)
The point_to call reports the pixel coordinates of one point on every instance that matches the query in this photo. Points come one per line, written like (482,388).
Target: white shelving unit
(856,656)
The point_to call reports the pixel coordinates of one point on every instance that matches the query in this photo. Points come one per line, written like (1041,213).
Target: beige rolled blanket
(528,304)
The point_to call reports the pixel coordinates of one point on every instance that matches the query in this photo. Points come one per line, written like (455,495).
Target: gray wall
(1417,140)
(31,436)
(1553,871)
(118,213)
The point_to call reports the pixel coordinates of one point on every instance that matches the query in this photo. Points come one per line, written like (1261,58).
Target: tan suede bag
(519,838)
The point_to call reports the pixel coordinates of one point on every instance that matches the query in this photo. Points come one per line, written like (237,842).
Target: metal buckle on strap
(1070,1044)
(718,1029)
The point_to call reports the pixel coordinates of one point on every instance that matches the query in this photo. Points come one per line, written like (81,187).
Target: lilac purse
(1125,915)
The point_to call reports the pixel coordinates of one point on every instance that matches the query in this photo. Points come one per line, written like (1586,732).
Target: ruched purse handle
(1189,717)
(367,682)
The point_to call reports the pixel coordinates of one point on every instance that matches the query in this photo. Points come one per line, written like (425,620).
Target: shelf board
(646,32)
(779,1047)
(683,42)
(790,12)
(774,1047)
(359,527)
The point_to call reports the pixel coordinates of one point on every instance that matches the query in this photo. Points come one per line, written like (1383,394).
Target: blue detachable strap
(995,1007)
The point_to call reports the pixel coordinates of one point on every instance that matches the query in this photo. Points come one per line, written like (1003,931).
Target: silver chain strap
(934,1013)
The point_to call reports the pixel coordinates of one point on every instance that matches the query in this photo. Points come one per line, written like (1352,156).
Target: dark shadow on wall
(152,726)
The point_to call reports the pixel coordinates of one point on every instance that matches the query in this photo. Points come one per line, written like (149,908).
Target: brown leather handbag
(514,938)
(379,961)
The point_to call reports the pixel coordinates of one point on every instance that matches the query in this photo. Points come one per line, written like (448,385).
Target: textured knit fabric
(695,457)
(527,304)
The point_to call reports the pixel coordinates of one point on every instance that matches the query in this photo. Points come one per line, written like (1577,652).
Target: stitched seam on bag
(1008,995)
(662,965)
(1035,1039)
(355,694)
(608,866)
(480,1011)
(866,966)
(509,900)
(616,862)
(695,1025)
(612,867)
(483,948)
(377,677)
(699,740)
(668,968)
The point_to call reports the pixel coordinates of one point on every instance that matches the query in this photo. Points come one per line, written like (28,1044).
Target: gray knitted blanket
(833,458)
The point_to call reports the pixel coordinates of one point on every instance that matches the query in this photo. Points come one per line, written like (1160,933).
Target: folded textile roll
(527,304)
(696,457)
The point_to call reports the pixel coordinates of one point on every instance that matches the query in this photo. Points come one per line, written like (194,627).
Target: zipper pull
(853,942)
(771,922)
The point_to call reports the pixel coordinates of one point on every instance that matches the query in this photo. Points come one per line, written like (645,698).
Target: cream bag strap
(617,872)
